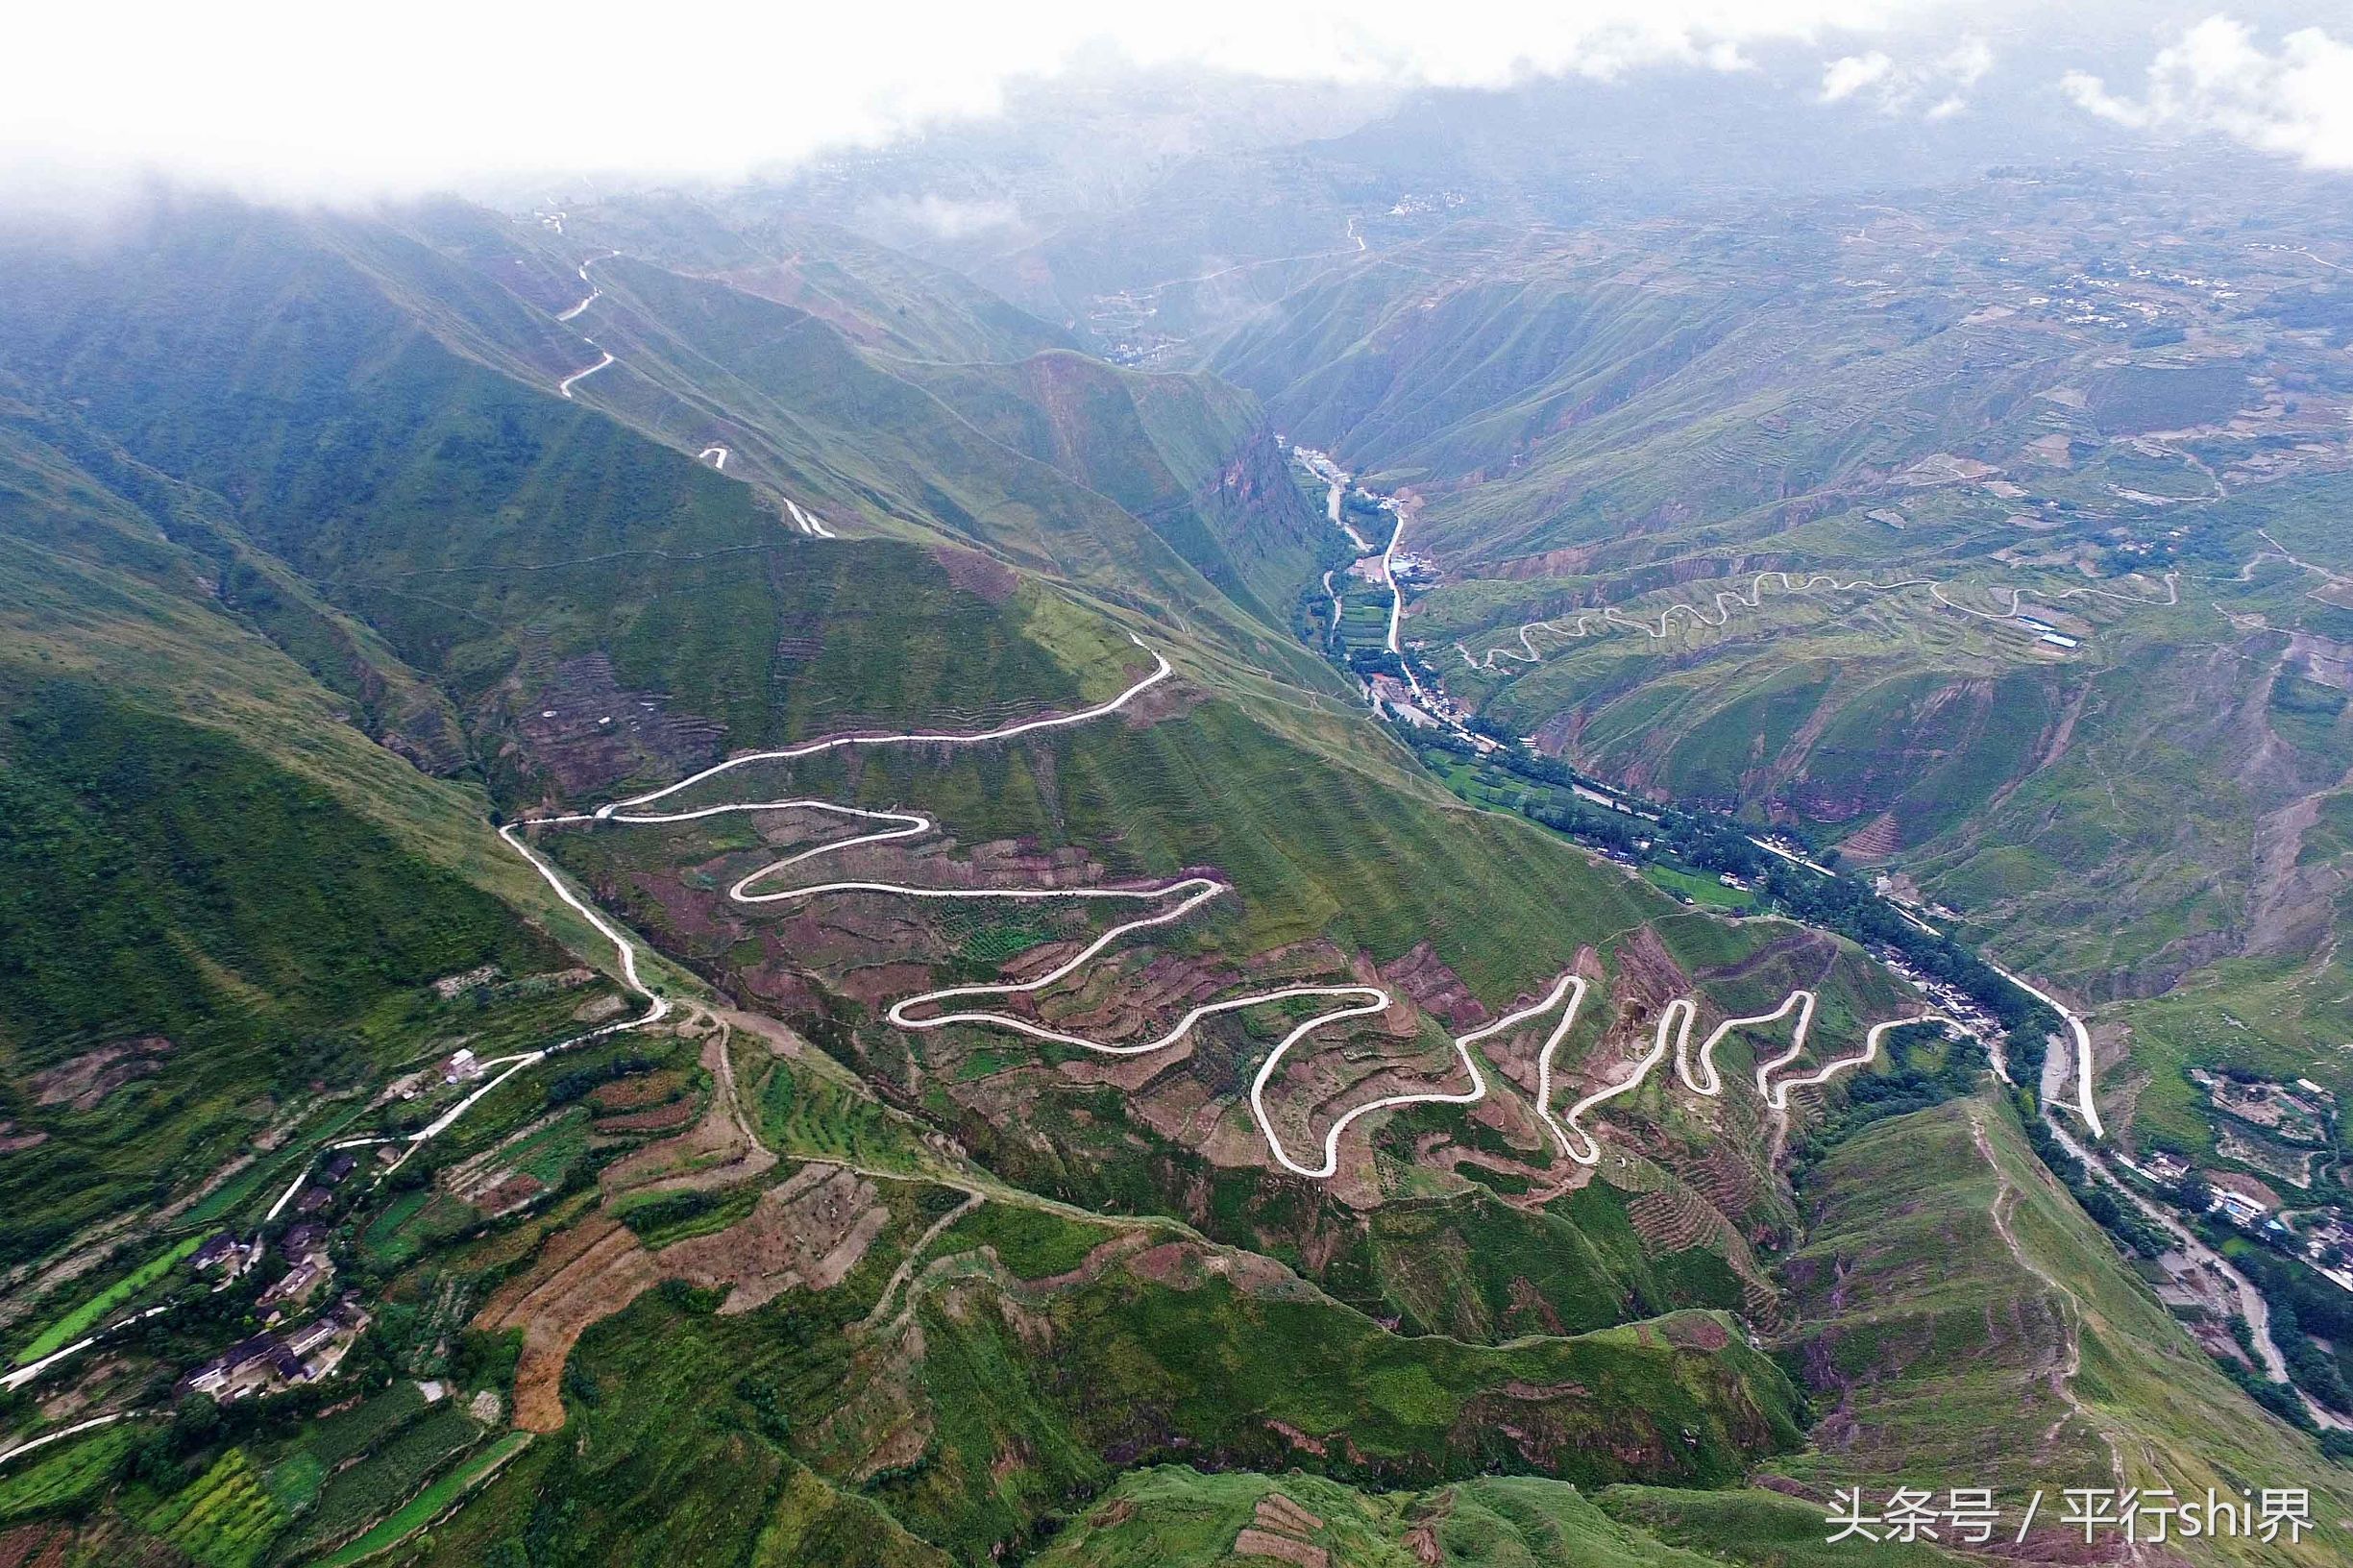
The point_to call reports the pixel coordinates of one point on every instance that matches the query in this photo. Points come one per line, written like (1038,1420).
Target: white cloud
(2298,101)
(359,98)
(947,217)
(2089,93)
(1968,63)
(1894,88)
(1846,76)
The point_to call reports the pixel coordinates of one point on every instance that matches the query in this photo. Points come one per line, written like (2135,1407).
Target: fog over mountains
(1810,89)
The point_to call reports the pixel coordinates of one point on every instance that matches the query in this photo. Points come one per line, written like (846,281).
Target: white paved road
(565,386)
(1178,898)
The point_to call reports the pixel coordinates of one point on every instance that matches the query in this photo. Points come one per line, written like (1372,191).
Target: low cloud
(289,97)
(1894,88)
(2297,101)
(1846,76)
(947,217)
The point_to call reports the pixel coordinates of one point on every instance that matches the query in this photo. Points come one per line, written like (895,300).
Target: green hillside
(321,571)
(1959,1310)
(217,925)
(1189,455)
(226,900)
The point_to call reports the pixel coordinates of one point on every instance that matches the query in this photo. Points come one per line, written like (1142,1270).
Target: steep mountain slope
(500,541)
(1189,455)
(962,1165)
(1960,1311)
(309,445)
(803,411)
(225,899)
(1871,525)
(878,297)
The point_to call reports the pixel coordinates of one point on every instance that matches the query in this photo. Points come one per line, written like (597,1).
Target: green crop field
(429,1504)
(69,1475)
(87,1316)
(1698,887)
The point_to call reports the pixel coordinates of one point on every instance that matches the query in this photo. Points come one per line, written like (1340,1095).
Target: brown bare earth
(1278,1512)
(597,1009)
(1880,838)
(87,1080)
(509,1196)
(584,730)
(2244,1185)
(779,1040)
(583,1275)
(1648,976)
(808,1232)
(637,1092)
(1421,974)
(660,1119)
(1258,1543)
(35,1545)
(1696,1332)
(976,574)
(719,1150)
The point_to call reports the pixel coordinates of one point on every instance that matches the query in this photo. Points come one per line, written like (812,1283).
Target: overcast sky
(360,100)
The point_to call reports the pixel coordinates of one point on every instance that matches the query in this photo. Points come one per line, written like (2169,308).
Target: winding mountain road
(565,386)
(1778,1098)
(809,521)
(2084,1105)
(593,292)
(1698,1072)
(1724,600)
(1181,896)
(1190,892)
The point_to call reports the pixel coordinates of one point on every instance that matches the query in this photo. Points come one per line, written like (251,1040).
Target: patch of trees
(1714,843)
(2132,1230)
(580,1082)
(2303,1304)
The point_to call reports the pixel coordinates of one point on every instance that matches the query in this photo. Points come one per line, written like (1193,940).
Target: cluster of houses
(2329,1244)
(277,1357)
(271,1361)
(322,1189)
(2244,1209)
(304,1249)
(1413,571)
(1964,1010)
